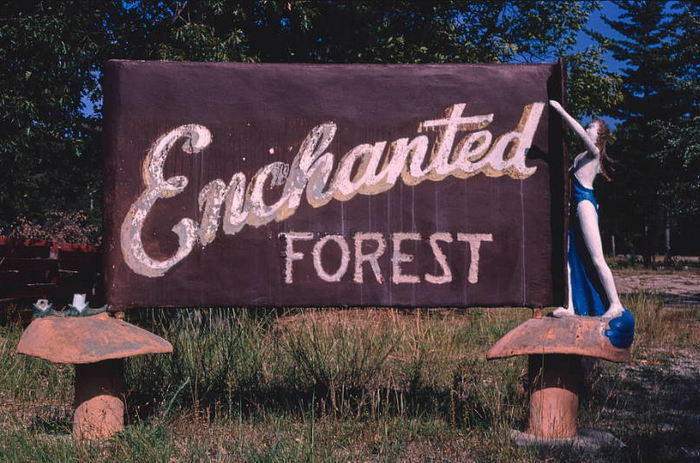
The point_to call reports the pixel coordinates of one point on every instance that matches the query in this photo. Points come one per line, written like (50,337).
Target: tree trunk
(612,246)
(667,242)
(646,256)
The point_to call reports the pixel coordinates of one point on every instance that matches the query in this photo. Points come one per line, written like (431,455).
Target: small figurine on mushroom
(592,289)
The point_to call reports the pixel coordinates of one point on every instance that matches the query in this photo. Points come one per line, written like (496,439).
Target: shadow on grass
(52,420)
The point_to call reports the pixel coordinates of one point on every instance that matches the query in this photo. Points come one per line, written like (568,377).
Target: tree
(679,137)
(375,32)
(655,182)
(397,32)
(52,53)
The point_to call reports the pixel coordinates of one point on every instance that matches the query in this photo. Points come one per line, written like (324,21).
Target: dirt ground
(657,412)
(681,288)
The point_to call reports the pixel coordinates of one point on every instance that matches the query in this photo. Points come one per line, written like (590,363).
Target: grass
(330,385)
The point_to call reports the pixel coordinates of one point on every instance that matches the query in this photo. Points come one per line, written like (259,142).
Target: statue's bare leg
(588,219)
(567,311)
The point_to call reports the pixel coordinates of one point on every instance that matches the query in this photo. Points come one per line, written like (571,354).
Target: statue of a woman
(591,285)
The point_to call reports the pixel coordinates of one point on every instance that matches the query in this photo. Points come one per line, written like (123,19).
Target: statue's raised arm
(578,128)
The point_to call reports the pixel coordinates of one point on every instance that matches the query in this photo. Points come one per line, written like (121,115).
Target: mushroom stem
(99,404)
(555,381)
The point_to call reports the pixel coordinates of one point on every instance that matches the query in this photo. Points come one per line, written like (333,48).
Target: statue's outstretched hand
(555,105)
(621,332)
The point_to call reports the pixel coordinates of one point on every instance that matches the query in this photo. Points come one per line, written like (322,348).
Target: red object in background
(36,269)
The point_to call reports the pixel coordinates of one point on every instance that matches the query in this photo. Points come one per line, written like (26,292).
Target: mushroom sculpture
(96,343)
(554,347)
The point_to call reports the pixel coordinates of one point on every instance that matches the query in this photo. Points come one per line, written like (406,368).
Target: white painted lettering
(313,169)
(441,259)
(344,258)
(474,242)
(399,257)
(290,255)
(197,138)
(372,257)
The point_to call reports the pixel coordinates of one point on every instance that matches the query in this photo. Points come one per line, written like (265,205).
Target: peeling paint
(372,257)
(441,259)
(197,138)
(344,258)
(397,257)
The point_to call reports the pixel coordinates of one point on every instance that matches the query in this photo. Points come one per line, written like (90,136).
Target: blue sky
(596,23)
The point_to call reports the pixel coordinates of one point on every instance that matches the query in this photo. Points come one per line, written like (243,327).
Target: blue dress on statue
(587,291)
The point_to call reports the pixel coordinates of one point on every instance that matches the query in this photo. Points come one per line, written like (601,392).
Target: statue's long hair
(602,134)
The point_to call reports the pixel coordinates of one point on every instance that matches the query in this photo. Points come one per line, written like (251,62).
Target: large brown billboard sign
(325,185)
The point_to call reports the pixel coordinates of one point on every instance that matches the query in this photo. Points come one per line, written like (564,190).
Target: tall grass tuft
(30,380)
(216,355)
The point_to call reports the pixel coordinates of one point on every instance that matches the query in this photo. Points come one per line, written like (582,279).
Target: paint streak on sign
(306,185)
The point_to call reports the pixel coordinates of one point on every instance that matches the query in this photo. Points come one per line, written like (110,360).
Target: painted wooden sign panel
(234,184)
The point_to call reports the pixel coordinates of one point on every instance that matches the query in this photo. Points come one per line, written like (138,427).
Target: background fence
(33,269)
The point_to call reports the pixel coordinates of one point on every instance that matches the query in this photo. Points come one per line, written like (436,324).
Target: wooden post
(555,381)
(99,399)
